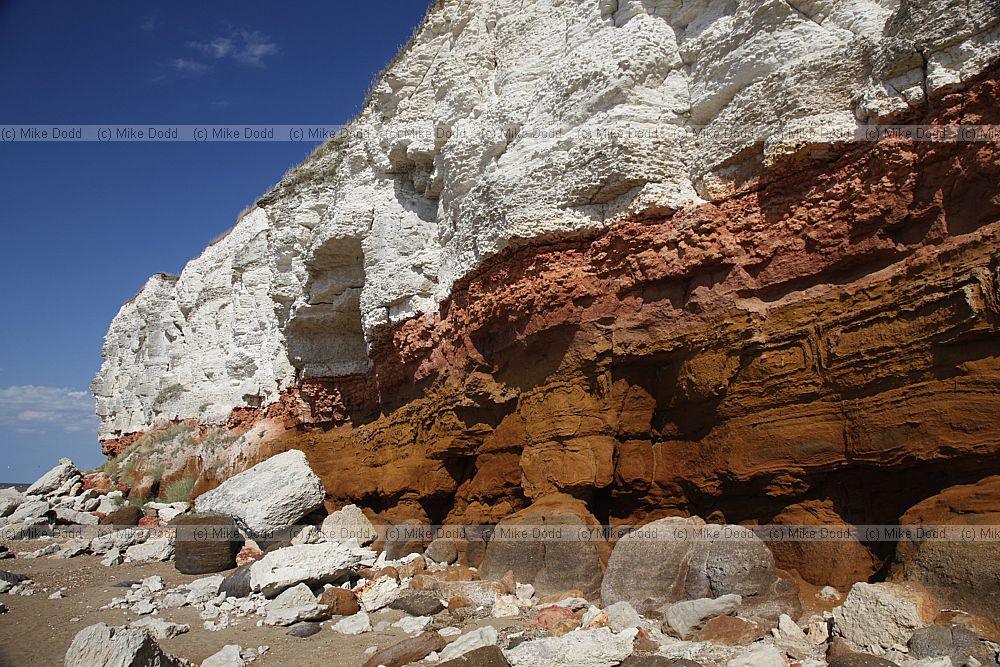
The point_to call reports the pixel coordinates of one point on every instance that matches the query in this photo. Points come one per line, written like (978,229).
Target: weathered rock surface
(655,326)
(407,651)
(876,617)
(582,648)
(554,564)
(961,573)
(685,618)
(349,523)
(270,496)
(54,479)
(487,656)
(303,563)
(674,559)
(956,642)
(101,644)
(206,542)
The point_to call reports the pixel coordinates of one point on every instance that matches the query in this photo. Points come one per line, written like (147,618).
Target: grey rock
(657,661)
(304,629)
(622,616)
(296,596)
(237,584)
(955,642)
(29,509)
(302,563)
(270,496)
(71,516)
(683,619)
(487,656)
(346,523)
(159,629)
(11,577)
(108,646)
(418,604)
(442,550)
(653,567)
(53,479)
(74,547)
(151,551)
(229,656)
(206,542)
(10,499)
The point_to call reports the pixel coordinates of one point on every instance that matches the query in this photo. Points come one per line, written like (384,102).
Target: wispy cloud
(189,66)
(249,47)
(149,25)
(37,409)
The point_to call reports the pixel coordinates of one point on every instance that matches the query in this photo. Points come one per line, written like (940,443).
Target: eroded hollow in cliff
(325,336)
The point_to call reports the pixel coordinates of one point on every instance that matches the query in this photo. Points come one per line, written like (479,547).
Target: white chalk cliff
(507,122)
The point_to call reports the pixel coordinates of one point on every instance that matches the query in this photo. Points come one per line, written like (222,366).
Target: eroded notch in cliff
(325,336)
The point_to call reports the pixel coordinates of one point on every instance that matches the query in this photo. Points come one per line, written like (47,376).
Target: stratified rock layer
(743,329)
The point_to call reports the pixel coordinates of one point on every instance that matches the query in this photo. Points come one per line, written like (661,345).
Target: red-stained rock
(554,550)
(549,617)
(960,573)
(833,562)
(248,555)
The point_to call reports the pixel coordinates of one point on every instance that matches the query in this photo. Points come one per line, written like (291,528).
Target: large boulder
(961,573)
(677,559)
(10,498)
(108,646)
(30,511)
(206,542)
(54,479)
(876,617)
(346,523)
(955,642)
(555,545)
(583,648)
(836,562)
(126,515)
(271,496)
(325,563)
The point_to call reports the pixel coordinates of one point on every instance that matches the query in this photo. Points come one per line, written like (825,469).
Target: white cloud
(35,409)
(189,66)
(248,47)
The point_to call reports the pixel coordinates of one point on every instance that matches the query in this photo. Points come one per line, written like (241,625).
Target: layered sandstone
(741,328)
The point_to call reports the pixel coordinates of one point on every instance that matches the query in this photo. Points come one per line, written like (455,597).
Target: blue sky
(85,224)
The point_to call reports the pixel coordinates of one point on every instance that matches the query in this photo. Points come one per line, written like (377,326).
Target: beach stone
(151,551)
(200,552)
(407,651)
(442,550)
(126,515)
(416,604)
(583,648)
(876,617)
(760,656)
(302,563)
(229,656)
(53,479)
(684,619)
(550,565)
(621,616)
(270,496)
(104,645)
(72,517)
(237,584)
(487,656)
(30,511)
(160,629)
(304,629)
(955,642)
(470,641)
(341,601)
(296,596)
(346,523)
(354,625)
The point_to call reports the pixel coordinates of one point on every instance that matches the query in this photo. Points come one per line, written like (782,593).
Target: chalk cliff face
(548,258)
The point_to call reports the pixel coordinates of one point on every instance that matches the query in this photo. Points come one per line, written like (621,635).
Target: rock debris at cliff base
(573,324)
